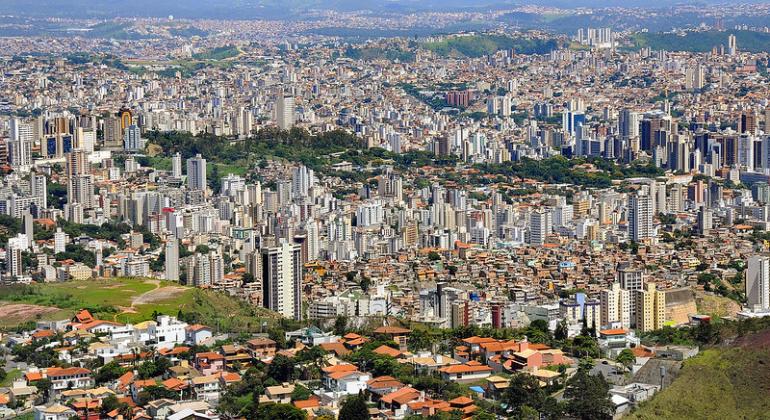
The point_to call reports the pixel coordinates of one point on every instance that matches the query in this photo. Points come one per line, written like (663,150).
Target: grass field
(127,300)
(11,376)
(719,383)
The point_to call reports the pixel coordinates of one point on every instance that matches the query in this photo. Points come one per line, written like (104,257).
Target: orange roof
(467,368)
(210,355)
(311,402)
(34,376)
(387,351)
(478,340)
(43,334)
(146,382)
(616,331)
(342,367)
(407,393)
(230,376)
(174,384)
(461,400)
(71,371)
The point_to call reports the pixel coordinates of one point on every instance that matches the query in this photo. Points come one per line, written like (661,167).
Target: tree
(340,325)
(281,368)
(626,358)
(588,397)
(44,387)
(279,411)
(300,393)
(354,408)
(109,372)
(562,330)
(524,391)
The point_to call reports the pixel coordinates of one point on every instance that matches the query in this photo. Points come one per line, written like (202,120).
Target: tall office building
(196,173)
(640,210)
(758,283)
(539,227)
(132,139)
(732,45)
(81,191)
(176,166)
(282,279)
(284,112)
(20,145)
(628,124)
(615,306)
(650,308)
(172,259)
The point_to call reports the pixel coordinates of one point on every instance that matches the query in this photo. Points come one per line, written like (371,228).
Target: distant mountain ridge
(284,9)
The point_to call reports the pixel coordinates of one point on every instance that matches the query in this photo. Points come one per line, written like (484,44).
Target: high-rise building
(81,191)
(172,259)
(196,173)
(282,279)
(650,308)
(20,145)
(632,280)
(76,163)
(615,306)
(539,227)
(284,112)
(640,210)
(176,166)
(132,139)
(732,45)
(758,283)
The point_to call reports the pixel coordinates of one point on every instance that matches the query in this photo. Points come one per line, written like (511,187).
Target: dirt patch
(158,295)
(24,311)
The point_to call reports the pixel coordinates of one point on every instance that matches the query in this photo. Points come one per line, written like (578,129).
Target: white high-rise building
(616,306)
(282,279)
(60,241)
(640,210)
(284,112)
(302,179)
(172,259)
(176,165)
(20,145)
(196,173)
(758,283)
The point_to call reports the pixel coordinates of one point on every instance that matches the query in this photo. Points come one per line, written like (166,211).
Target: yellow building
(650,308)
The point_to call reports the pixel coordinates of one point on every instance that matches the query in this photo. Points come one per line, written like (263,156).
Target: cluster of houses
(200,369)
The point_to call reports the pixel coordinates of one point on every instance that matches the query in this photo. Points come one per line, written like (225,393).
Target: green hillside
(726,382)
(127,300)
(702,41)
(480,45)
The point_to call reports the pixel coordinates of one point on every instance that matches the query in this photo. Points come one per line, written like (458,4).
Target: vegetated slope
(480,45)
(703,41)
(130,300)
(731,381)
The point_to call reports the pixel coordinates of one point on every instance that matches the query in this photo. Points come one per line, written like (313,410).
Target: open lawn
(127,300)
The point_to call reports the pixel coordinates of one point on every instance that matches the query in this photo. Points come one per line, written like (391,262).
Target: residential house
(280,394)
(197,334)
(54,412)
(468,372)
(207,387)
(345,378)
(209,363)
(261,348)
